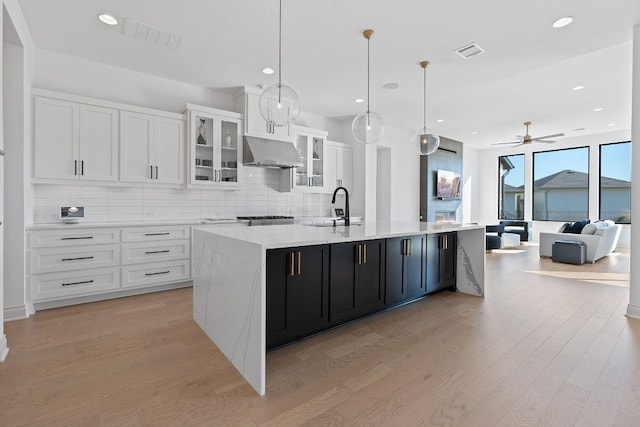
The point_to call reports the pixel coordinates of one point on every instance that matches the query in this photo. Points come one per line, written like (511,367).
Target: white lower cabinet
(74,283)
(154,273)
(88,262)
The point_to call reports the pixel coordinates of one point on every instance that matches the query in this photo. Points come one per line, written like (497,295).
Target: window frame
(533,180)
(600,176)
(500,200)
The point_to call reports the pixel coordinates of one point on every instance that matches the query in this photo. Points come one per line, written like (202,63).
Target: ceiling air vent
(141,31)
(469,51)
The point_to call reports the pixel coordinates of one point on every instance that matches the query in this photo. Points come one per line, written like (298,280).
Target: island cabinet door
(297,293)
(357,277)
(405,278)
(440,262)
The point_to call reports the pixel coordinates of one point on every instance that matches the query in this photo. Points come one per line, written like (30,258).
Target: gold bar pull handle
(299,263)
(292,264)
(364,253)
(403,249)
(359,260)
(409,247)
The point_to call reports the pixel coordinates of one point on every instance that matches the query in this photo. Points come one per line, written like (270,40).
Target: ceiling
(527,72)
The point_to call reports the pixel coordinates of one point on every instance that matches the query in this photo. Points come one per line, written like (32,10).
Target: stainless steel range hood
(270,153)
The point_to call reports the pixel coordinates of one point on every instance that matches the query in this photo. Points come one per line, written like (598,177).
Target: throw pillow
(563,227)
(589,229)
(576,227)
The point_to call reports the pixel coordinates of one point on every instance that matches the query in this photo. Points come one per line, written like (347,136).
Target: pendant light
(279,104)
(368,126)
(425,141)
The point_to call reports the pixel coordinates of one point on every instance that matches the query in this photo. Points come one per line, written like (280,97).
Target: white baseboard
(15,312)
(633,311)
(4,350)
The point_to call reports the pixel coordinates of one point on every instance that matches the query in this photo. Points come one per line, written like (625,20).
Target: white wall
(470,185)
(15,107)
(487,174)
(68,74)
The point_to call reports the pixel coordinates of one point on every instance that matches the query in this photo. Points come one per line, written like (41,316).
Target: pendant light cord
(280,46)
(368,68)
(424,102)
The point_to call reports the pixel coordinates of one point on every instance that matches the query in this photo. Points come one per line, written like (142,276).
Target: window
(511,187)
(561,185)
(615,182)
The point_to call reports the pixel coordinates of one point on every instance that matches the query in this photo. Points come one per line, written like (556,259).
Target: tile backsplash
(259,195)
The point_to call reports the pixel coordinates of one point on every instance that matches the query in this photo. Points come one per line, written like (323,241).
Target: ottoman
(569,252)
(510,240)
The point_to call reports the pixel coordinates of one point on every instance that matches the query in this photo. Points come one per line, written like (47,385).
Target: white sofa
(601,238)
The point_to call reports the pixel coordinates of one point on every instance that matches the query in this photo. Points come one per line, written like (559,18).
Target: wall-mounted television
(447,184)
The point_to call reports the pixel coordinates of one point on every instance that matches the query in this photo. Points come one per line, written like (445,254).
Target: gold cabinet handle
(364,250)
(292,264)
(403,248)
(359,260)
(409,247)
(299,263)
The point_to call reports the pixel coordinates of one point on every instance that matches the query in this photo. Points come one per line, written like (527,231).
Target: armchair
(521,228)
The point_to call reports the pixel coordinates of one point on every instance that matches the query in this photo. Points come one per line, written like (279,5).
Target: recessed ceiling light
(563,22)
(268,71)
(611,124)
(474,133)
(439,120)
(107,19)
(358,100)
(598,109)
(578,88)
(391,86)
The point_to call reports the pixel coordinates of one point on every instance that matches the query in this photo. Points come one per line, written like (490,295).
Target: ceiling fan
(527,139)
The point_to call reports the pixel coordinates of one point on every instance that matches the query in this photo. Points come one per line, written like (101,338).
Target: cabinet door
(255,125)
(414,267)
(167,151)
(57,134)
(356,279)
(395,289)
(98,143)
(441,261)
(136,136)
(297,293)
(311,176)
(331,166)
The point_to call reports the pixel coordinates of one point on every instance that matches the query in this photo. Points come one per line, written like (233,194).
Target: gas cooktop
(267,219)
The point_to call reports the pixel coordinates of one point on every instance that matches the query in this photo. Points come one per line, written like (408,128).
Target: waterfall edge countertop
(229,277)
(282,236)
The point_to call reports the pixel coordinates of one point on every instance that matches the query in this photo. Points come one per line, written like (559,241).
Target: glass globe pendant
(279,104)
(424,140)
(368,126)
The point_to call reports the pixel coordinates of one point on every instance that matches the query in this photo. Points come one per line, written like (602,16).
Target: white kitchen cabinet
(310,144)
(215,147)
(75,141)
(338,165)
(75,264)
(248,102)
(151,148)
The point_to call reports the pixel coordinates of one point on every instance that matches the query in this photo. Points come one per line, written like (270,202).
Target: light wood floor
(548,346)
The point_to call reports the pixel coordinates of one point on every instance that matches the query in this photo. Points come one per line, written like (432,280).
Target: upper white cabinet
(215,147)
(338,165)
(75,141)
(248,102)
(151,148)
(310,144)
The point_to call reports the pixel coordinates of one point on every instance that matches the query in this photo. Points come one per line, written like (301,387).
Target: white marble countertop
(282,236)
(61,225)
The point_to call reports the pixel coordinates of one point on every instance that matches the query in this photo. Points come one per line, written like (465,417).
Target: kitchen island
(229,268)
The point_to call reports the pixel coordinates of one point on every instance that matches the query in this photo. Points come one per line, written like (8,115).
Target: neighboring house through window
(615,182)
(561,185)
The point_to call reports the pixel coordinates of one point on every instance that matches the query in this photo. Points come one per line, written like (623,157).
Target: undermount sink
(329,221)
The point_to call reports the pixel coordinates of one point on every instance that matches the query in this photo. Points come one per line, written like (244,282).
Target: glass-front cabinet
(310,144)
(215,138)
